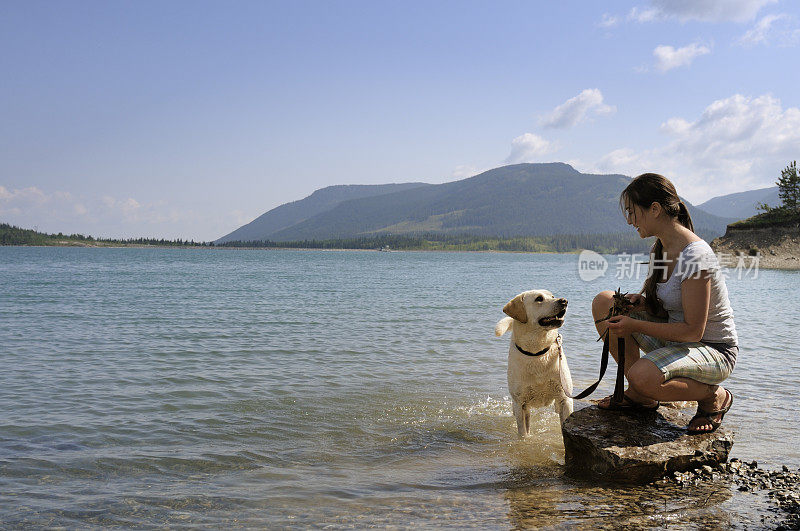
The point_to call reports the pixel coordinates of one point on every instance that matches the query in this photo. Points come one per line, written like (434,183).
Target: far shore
(778,247)
(224,248)
(768,261)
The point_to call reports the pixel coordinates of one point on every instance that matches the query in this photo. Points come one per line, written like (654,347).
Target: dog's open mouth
(554,320)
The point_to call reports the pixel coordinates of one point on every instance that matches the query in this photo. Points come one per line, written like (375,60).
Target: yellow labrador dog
(535,372)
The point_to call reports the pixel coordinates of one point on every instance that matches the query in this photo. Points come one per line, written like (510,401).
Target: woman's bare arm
(695,299)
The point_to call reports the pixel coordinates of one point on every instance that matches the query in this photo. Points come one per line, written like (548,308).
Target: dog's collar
(544,350)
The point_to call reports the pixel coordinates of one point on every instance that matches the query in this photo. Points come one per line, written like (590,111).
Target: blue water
(151,387)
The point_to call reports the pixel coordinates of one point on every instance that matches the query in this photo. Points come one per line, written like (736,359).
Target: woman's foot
(710,412)
(630,401)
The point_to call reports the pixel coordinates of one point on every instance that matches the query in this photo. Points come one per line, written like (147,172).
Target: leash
(603,366)
(621,306)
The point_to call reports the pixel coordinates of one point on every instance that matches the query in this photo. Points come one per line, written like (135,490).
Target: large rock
(638,447)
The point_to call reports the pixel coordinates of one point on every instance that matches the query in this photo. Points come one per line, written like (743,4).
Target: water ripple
(154,388)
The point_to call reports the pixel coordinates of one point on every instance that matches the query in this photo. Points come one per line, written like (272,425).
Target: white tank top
(695,257)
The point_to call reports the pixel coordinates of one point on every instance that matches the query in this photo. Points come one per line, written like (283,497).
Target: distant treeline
(11,235)
(559,243)
(788,213)
(773,217)
(602,243)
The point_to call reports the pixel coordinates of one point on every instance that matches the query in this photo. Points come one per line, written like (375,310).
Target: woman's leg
(600,307)
(648,380)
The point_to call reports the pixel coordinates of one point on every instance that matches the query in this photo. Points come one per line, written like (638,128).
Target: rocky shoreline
(781,487)
(776,247)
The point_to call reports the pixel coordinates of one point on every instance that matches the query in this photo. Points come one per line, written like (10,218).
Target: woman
(682,319)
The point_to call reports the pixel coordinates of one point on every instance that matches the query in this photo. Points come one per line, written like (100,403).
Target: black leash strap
(603,366)
(619,386)
(621,306)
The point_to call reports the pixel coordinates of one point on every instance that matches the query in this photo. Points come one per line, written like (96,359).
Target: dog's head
(537,307)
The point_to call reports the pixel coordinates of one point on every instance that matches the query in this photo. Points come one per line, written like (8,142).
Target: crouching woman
(682,320)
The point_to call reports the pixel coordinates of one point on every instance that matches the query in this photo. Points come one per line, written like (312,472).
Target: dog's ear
(516,309)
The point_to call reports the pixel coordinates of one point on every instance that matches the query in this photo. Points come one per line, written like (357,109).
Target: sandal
(707,415)
(627,404)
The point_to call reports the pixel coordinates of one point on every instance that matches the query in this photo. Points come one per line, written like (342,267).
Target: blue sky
(188,119)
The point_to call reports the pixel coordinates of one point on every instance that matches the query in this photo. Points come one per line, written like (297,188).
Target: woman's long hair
(643,191)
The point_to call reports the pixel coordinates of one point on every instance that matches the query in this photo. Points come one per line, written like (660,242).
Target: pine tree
(789,187)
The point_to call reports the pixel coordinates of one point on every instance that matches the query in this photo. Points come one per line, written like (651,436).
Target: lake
(252,388)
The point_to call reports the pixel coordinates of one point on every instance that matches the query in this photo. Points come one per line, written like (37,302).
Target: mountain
(515,200)
(320,201)
(741,205)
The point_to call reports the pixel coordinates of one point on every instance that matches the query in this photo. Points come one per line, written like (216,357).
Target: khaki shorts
(694,360)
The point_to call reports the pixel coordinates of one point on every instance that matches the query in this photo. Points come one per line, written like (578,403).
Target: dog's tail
(502,326)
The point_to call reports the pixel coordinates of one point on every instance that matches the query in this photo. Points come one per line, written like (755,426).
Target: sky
(187,119)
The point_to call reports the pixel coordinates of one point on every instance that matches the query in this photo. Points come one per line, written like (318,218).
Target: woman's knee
(602,302)
(644,376)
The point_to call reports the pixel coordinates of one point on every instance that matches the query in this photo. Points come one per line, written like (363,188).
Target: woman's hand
(637,299)
(622,325)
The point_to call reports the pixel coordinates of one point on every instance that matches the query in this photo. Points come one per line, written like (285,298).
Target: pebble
(782,486)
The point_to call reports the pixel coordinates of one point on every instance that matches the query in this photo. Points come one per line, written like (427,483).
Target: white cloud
(22,196)
(465,170)
(643,14)
(240,217)
(758,34)
(776,29)
(736,143)
(668,57)
(702,10)
(529,148)
(130,206)
(675,126)
(623,158)
(102,216)
(575,110)
(608,21)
